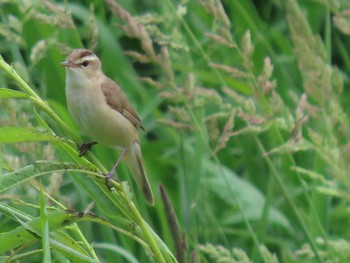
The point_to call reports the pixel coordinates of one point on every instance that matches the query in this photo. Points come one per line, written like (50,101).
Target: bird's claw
(85,147)
(108,178)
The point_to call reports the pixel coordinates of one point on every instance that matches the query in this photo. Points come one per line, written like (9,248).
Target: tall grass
(246,113)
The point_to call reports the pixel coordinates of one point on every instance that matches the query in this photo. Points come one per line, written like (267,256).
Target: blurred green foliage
(245,105)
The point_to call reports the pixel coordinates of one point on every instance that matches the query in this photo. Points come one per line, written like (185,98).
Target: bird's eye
(85,63)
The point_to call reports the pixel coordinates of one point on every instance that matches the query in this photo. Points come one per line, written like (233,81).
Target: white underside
(88,108)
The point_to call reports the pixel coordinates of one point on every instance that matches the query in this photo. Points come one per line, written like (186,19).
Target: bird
(101,111)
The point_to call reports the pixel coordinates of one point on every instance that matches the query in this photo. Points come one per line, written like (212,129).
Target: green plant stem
(148,236)
(263,224)
(18,257)
(205,141)
(133,214)
(35,97)
(75,226)
(44,106)
(202,131)
(197,43)
(285,192)
(13,74)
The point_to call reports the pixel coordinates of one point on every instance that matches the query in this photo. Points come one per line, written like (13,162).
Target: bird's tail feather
(133,158)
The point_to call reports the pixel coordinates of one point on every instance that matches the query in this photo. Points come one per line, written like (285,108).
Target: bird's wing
(117,100)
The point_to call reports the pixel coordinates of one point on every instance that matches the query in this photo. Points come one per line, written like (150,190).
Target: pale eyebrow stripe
(87,58)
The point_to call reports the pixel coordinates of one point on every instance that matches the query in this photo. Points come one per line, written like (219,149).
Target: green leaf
(14,94)
(8,180)
(30,230)
(65,239)
(70,253)
(45,238)
(25,134)
(232,189)
(119,250)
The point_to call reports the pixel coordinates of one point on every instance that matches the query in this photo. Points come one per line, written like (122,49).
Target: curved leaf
(25,134)
(224,183)
(14,94)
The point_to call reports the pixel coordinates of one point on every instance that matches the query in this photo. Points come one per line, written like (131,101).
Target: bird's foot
(112,172)
(85,147)
(108,178)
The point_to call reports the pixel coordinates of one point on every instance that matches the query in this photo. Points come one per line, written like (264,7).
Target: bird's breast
(89,110)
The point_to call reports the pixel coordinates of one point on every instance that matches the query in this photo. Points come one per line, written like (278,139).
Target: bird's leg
(85,147)
(112,172)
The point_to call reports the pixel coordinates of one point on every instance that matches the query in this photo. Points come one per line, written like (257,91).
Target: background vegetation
(246,109)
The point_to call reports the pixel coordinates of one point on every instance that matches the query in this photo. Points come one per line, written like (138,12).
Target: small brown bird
(101,110)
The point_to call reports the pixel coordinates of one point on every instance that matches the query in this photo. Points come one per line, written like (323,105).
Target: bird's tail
(133,158)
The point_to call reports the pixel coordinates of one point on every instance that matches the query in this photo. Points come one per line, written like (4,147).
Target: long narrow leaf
(25,134)
(30,230)
(44,228)
(14,94)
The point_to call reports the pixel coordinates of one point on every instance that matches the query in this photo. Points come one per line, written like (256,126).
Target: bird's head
(82,63)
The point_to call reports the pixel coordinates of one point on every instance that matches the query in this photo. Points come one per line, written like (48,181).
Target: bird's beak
(67,64)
